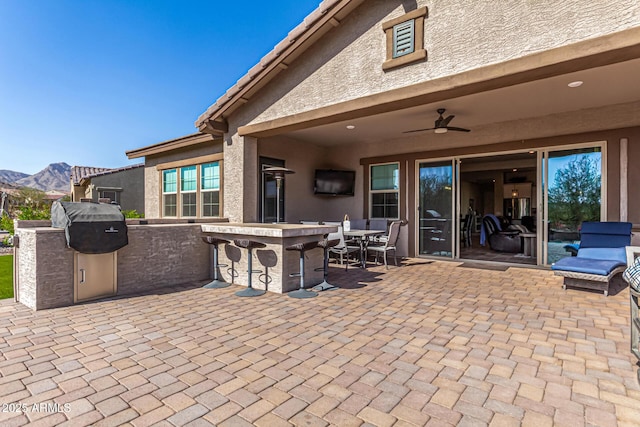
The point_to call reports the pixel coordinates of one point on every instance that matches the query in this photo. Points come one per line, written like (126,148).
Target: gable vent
(403,37)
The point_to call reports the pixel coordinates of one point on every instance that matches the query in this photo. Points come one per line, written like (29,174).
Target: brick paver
(430,343)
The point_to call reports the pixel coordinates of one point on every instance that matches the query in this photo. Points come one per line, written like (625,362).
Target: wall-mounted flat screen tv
(334,182)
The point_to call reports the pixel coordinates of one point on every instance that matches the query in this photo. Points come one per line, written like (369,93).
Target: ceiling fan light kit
(441,124)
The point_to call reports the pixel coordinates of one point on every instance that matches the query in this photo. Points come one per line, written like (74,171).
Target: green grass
(6,276)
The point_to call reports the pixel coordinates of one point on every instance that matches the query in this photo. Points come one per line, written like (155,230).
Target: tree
(435,193)
(26,204)
(574,196)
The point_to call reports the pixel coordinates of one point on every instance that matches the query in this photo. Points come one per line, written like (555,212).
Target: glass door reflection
(573,194)
(435,208)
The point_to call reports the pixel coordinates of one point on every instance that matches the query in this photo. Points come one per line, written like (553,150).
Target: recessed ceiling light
(515,170)
(351,127)
(577,83)
(531,152)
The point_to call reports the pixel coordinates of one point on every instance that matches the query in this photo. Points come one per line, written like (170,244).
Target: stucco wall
(132,183)
(459,36)
(304,159)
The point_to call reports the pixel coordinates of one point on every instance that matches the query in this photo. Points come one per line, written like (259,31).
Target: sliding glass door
(573,193)
(436,208)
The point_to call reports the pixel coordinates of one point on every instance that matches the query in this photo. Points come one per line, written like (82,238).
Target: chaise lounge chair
(601,256)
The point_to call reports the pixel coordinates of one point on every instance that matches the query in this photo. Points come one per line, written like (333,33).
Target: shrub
(6,223)
(132,213)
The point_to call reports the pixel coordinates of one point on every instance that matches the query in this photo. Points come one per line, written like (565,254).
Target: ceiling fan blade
(417,130)
(445,122)
(441,125)
(458,129)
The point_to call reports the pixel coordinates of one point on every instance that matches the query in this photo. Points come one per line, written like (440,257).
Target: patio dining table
(362,237)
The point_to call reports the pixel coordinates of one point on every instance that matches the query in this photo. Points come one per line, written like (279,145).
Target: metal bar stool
(302,248)
(217,282)
(325,244)
(249,245)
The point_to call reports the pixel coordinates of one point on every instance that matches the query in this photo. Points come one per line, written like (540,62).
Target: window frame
(179,193)
(102,194)
(192,193)
(395,191)
(205,191)
(163,208)
(418,53)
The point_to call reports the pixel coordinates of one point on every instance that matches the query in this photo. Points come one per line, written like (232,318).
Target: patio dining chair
(379,224)
(342,249)
(358,224)
(390,244)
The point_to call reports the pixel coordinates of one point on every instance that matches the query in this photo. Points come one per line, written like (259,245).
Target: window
(405,39)
(112,195)
(169,192)
(192,190)
(384,191)
(210,189)
(188,189)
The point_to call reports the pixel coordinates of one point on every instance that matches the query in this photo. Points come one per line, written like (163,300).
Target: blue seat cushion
(600,267)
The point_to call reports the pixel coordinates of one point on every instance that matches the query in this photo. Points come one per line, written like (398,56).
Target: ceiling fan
(441,125)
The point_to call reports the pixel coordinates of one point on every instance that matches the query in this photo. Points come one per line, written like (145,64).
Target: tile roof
(78,173)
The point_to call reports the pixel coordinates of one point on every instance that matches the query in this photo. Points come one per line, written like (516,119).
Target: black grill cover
(91,228)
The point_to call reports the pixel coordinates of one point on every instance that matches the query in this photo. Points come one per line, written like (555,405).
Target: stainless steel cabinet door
(95,276)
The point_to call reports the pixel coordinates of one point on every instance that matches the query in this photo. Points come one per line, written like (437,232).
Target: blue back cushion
(618,254)
(605,234)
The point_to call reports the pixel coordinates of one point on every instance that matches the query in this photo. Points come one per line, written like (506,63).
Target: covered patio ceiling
(609,98)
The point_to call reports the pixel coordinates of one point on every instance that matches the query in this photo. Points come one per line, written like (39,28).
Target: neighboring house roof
(172,144)
(80,173)
(328,15)
(54,195)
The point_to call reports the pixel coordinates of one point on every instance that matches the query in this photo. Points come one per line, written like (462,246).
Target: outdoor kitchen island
(274,261)
(159,253)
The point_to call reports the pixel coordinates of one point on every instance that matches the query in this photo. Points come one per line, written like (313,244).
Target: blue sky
(83,81)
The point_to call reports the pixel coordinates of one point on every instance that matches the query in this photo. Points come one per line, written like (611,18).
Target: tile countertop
(269,230)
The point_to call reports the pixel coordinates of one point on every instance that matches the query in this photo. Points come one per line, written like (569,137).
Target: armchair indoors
(499,240)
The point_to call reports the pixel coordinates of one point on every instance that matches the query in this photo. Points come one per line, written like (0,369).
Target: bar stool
(249,245)
(325,244)
(217,282)
(302,248)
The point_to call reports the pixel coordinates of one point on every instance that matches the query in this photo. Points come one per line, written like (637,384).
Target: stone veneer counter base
(274,261)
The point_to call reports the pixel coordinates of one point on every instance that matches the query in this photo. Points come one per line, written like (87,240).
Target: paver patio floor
(430,343)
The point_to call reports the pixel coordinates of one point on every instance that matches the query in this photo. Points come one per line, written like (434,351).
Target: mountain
(8,177)
(56,176)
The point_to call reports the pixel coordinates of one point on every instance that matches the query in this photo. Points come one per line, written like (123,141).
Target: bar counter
(274,261)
